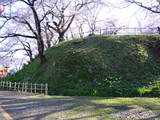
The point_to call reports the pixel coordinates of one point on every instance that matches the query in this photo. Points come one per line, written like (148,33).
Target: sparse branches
(155,8)
(60,21)
(34,27)
(91,19)
(112,26)
(64,14)
(26,46)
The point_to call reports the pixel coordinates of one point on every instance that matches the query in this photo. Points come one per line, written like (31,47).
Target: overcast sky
(117,9)
(127,15)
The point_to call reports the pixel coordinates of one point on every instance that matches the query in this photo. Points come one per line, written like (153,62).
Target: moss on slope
(99,66)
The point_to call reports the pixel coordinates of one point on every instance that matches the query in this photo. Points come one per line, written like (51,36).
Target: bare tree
(91,18)
(35,29)
(77,29)
(47,33)
(64,14)
(80,26)
(33,22)
(26,46)
(11,46)
(111,26)
(48,36)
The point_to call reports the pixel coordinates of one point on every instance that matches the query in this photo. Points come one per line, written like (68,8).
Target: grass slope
(99,66)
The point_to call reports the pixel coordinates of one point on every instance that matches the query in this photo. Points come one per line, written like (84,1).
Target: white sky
(126,15)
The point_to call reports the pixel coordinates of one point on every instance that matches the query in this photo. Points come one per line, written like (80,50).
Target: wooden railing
(24,87)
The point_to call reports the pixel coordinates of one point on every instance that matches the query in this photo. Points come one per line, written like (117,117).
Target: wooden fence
(25,87)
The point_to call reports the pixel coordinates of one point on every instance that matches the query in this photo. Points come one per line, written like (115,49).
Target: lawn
(98,108)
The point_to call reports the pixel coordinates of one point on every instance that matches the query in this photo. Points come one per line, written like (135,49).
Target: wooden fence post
(3,84)
(10,85)
(6,85)
(31,87)
(15,84)
(46,89)
(41,88)
(35,88)
(26,87)
(22,86)
(19,86)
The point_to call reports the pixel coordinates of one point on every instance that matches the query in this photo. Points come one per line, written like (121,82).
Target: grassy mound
(99,66)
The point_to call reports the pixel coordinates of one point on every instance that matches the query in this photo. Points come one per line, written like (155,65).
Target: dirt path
(30,107)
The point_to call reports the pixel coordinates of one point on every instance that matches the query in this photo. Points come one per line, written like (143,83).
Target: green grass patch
(106,108)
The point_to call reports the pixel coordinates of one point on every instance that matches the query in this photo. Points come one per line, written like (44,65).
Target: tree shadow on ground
(57,108)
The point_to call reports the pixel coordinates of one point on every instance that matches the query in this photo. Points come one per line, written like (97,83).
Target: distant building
(6,71)
(3,73)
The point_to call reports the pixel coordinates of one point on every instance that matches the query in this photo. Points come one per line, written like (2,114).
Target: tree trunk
(41,51)
(61,37)
(48,43)
(42,58)
(39,39)
(30,55)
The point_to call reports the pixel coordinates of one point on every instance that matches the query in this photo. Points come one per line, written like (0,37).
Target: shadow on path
(37,108)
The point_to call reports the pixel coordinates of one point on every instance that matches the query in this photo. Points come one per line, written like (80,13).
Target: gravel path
(29,107)
(138,113)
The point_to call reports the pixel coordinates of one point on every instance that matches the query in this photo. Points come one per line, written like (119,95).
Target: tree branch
(18,35)
(143,6)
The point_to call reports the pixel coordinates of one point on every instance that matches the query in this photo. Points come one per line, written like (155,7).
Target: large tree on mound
(39,18)
(30,22)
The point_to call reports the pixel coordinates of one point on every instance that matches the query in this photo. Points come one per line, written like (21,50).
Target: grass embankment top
(99,66)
